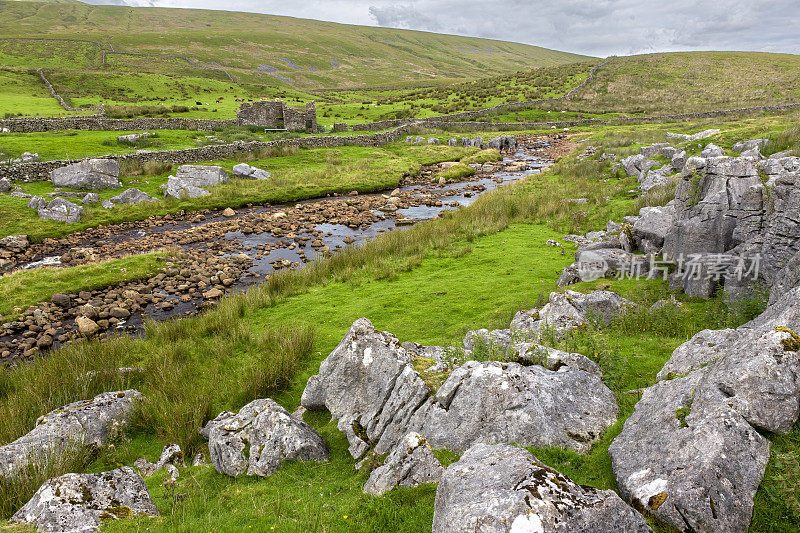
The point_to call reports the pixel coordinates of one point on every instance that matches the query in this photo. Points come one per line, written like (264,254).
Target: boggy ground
(214,253)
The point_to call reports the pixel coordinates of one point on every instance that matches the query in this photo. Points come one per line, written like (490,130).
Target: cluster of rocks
(245,171)
(370,385)
(693,453)
(537,397)
(731,224)
(505,143)
(191,277)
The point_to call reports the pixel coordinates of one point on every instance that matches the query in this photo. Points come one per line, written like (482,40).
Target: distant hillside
(691,81)
(253,48)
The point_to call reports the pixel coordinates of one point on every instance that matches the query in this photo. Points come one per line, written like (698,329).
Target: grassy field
(24,92)
(688,82)
(472,268)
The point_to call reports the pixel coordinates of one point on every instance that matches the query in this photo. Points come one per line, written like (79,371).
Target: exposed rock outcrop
(201,176)
(692,453)
(410,463)
(259,439)
(89,174)
(502,488)
(80,503)
(369,384)
(85,423)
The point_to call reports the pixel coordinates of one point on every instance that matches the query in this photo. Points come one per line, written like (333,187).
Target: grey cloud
(592,27)
(403,16)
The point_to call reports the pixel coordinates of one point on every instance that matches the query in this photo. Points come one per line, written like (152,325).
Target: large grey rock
(80,503)
(678,160)
(507,402)
(692,453)
(5,185)
(259,439)
(656,178)
(86,423)
(712,150)
(410,463)
(571,309)
(92,174)
(710,199)
(744,146)
(245,171)
(132,196)
(502,488)
(370,386)
(633,164)
(653,149)
(60,210)
(652,227)
(182,189)
(202,176)
(592,264)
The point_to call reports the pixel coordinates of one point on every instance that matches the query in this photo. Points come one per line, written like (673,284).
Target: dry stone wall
(40,171)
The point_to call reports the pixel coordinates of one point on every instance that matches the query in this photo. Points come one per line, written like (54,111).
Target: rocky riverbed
(217,252)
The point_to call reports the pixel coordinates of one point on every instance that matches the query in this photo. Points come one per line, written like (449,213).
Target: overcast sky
(593,27)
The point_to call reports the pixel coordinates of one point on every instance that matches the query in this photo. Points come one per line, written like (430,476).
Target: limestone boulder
(410,463)
(91,174)
(261,437)
(132,196)
(86,423)
(652,227)
(692,454)
(245,171)
(81,503)
(181,189)
(202,176)
(61,210)
(502,488)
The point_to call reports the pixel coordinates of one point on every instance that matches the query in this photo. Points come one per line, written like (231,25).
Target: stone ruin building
(275,114)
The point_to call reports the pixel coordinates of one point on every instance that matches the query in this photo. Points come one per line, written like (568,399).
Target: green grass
(24,92)
(484,156)
(457,172)
(307,173)
(27,287)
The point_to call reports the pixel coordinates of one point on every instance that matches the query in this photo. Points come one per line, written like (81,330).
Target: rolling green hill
(311,54)
(687,82)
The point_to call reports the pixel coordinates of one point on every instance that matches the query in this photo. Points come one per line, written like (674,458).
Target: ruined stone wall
(294,119)
(266,114)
